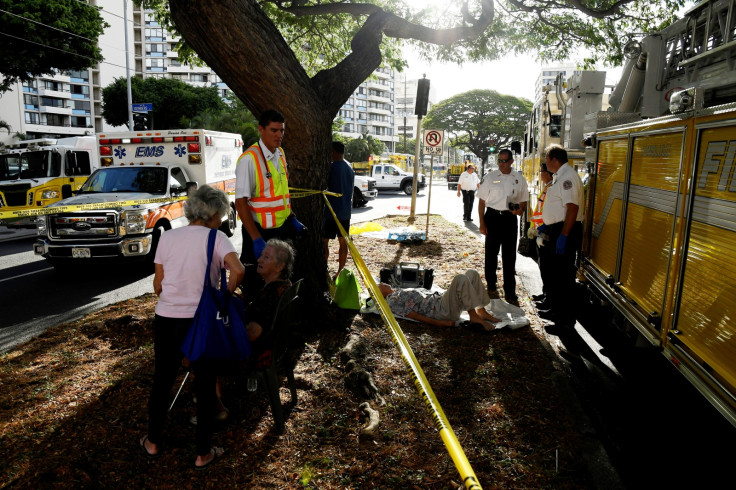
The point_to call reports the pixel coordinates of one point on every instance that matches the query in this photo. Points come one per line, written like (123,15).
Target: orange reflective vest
(270,202)
(536,218)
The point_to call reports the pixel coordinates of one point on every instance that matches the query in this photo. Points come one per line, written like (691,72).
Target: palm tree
(5,126)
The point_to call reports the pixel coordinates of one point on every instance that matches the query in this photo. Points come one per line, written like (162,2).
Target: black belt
(498,211)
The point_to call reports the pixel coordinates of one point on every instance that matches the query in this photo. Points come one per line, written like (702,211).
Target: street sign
(433,140)
(143,108)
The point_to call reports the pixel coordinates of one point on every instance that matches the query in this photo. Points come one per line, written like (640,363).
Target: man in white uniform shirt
(563,231)
(502,197)
(467,184)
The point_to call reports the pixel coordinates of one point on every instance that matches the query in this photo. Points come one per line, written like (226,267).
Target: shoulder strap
(210,250)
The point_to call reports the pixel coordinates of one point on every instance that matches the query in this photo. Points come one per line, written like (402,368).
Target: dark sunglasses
(504,160)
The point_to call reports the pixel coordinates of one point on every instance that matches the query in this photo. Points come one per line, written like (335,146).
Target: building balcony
(178,69)
(58,94)
(47,109)
(378,98)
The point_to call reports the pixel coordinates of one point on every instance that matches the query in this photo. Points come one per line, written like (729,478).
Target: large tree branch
(614,9)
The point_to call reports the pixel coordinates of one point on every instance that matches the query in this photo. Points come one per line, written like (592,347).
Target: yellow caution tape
(24,213)
(420,381)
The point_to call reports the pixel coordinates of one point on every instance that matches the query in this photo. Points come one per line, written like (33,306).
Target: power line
(46,25)
(58,49)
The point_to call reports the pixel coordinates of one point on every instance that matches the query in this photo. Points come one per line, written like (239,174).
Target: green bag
(347,290)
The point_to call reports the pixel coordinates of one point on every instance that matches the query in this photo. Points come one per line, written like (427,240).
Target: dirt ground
(73,402)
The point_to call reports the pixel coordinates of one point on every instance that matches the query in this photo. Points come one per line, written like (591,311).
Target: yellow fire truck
(660,243)
(36,173)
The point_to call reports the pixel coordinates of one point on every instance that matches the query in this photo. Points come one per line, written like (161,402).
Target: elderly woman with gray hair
(180,263)
(274,266)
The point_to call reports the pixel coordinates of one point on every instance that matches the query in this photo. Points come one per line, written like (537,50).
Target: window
(155,34)
(150,19)
(77,163)
(80,91)
(198,77)
(51,102)
(154,64)
(178,182)
(79,76)
(33,118)
(56,120)
(155,49)
(30,101)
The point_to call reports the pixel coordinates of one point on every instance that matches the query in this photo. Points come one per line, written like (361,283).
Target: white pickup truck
(364,190)
(392,177)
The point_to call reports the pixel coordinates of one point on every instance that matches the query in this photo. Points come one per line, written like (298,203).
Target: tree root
(371,418)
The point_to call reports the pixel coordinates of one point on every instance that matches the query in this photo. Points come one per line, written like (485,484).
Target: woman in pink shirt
(180,263)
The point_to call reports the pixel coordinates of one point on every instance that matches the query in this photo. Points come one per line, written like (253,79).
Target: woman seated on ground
(180,263)
(466,293)
(275,266)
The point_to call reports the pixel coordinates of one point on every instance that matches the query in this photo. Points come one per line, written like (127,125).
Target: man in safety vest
(262,197)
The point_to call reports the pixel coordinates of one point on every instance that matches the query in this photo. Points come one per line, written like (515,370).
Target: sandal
(216,453)
(149,454)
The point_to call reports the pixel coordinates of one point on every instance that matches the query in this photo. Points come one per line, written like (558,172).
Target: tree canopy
(174,102)
(359,149)
(40,37)
(479,118)
(233,118)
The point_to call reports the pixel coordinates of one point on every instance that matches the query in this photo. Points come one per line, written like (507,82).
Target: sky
(512,75)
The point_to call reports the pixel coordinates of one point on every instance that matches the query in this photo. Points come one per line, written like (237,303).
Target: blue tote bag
(218,329)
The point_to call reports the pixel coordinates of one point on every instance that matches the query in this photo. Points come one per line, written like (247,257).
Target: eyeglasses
(504,160)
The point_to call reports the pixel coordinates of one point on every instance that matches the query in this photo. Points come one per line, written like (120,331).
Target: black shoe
(548,314)
(554,329)
(543,305)
(538,297)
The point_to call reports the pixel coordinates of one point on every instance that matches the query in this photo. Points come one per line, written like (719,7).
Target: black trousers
(502,227)
(168,335)
(252,282)
(468,198)
(559,270)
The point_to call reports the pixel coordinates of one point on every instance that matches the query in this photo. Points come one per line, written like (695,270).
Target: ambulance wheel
(157,232)
(229,227)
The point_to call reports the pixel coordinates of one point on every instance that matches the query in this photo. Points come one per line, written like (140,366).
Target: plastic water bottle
(252,383)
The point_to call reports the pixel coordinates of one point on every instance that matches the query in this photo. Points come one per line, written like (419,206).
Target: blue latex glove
(298,226)
(258,245)
(541,228)
(561,243)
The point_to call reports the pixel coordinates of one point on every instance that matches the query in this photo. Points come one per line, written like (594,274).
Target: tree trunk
(243,46)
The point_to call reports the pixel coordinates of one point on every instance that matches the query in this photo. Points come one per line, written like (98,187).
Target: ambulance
(660,234)
(39,172)
(137,194)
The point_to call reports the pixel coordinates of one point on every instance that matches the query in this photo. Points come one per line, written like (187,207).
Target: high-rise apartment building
(548,74)
(70,104)
(370,110)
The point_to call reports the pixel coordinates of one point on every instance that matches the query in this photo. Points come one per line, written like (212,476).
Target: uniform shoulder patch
(567,185)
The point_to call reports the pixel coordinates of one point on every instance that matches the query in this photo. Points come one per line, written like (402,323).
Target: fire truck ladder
(701,47)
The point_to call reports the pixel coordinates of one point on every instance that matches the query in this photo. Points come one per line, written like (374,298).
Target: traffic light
(492,148)
(420,109)
(140,122)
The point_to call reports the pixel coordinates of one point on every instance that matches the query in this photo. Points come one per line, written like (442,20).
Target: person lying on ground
(466,293)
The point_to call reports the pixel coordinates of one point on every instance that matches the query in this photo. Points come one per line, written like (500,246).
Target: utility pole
(127,67)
